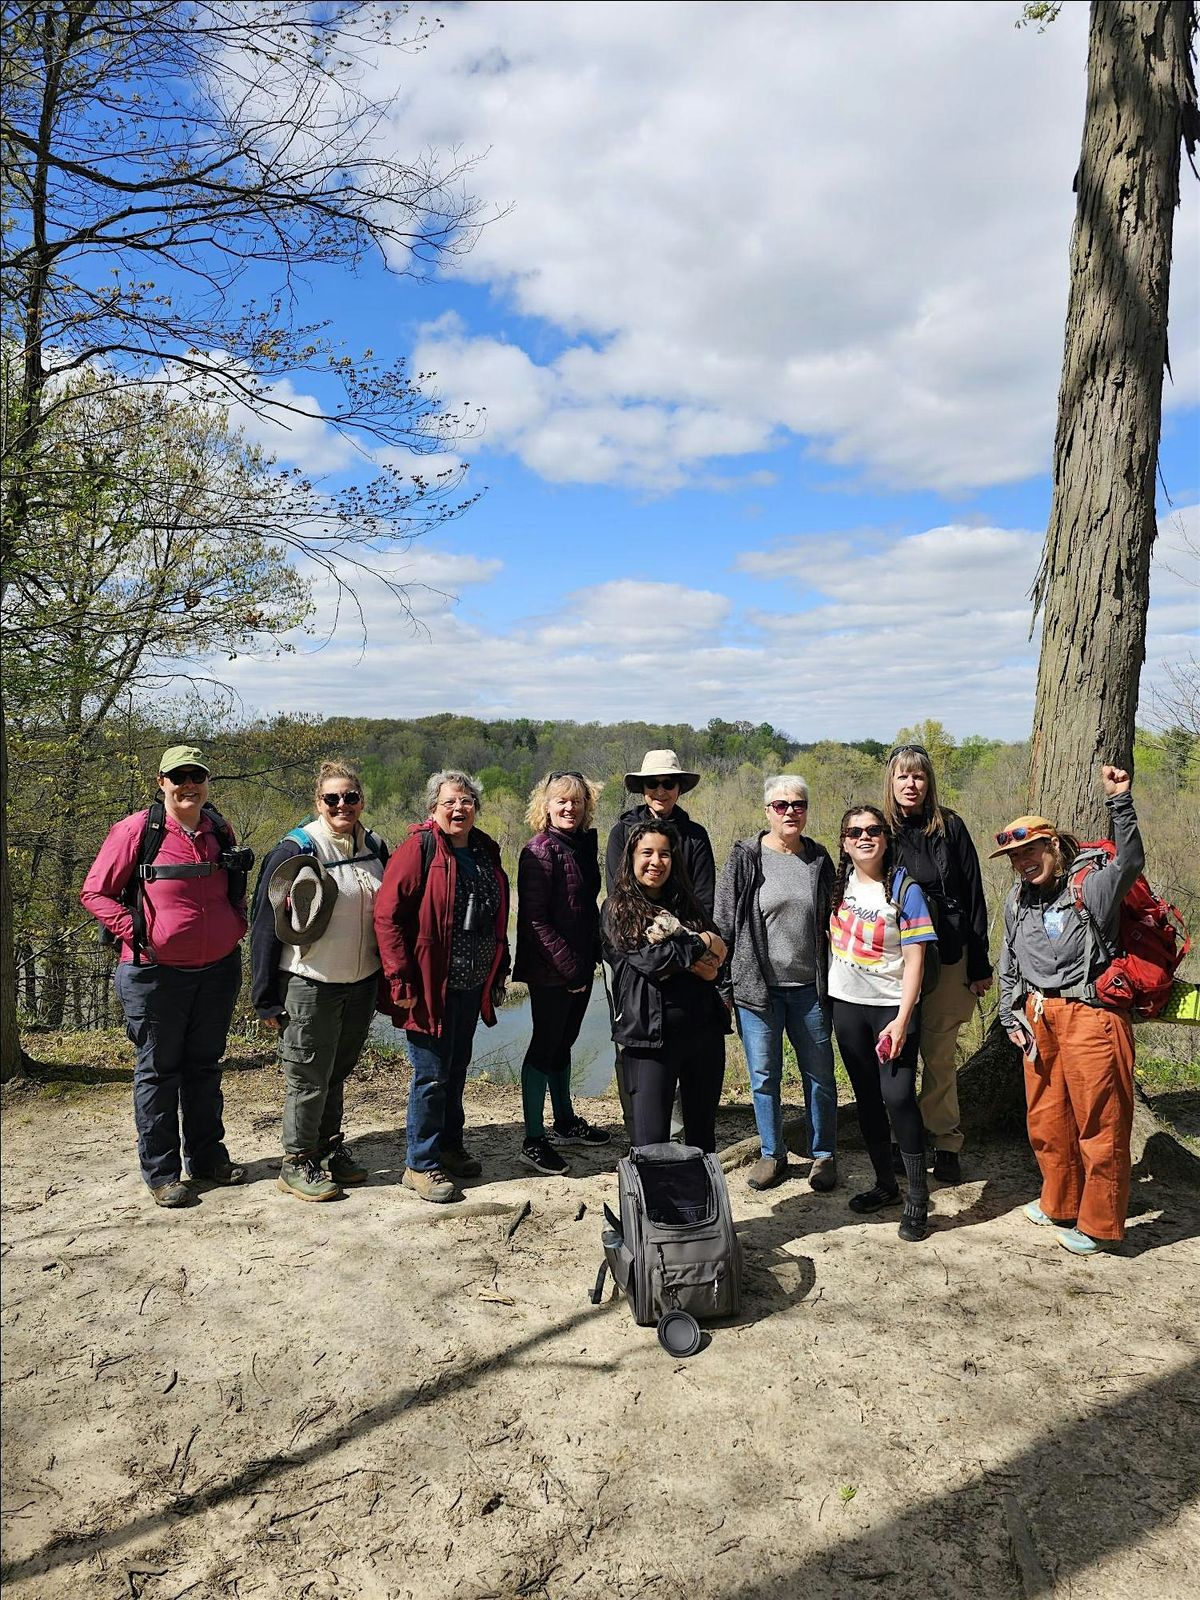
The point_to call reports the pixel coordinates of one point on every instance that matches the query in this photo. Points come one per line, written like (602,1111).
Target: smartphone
(883,1047)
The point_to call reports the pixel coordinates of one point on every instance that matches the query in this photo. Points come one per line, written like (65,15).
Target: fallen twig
(522,1212)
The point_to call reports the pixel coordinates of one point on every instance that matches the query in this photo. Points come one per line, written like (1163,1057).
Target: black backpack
(234,860)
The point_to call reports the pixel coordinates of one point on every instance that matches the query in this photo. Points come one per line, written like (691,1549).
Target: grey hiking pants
(327,1026)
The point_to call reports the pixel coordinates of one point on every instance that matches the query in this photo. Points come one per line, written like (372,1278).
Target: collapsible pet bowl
(679,1333)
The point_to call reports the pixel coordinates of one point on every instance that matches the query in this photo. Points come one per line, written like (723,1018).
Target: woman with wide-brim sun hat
(558,946)
(441,919)
(772,910)
(1078,1054)
(879,928)
(932,843)
(660,780)
(317,985)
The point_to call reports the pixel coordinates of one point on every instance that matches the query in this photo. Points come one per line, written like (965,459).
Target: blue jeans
(178,1020)
(439,1076)
(795,1010)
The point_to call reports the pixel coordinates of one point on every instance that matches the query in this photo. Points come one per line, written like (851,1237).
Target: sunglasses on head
(188,775)
(780,806)
(907,749)
(350,798)
(1019,835)
(873,830)
(662,783)
(556,776)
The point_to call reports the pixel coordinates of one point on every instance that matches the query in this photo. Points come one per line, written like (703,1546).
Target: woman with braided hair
(878,929)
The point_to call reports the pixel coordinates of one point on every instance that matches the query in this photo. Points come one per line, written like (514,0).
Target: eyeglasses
(467,802)
(780,806)
(187,775)
(661,783)
(1018,835)
(350,798)
(905,749)
(871,831)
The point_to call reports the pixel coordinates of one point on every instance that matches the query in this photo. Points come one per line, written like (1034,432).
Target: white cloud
(840,221)
(884,631)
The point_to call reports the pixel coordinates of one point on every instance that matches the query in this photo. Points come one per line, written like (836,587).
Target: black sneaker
(914,1222)
(541,1155)
(579,1132)
(947,1168)
(872,1200)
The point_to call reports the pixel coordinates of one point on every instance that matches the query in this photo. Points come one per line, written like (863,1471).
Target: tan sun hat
(661,764)
(1020,831)
(302,895)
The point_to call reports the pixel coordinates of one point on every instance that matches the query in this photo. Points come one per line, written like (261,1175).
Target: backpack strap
(151,843)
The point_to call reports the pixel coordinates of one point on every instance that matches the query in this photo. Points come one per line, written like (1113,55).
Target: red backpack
(1139,974)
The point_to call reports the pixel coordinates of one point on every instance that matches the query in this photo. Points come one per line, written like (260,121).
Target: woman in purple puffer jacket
(558,945)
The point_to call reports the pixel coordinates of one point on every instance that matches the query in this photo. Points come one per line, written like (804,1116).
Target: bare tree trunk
(1094,583)
(11,1056)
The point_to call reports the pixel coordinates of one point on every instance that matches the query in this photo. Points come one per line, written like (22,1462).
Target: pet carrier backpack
(673,1247)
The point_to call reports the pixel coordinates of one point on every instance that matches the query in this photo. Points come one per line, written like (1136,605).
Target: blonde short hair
(537,813)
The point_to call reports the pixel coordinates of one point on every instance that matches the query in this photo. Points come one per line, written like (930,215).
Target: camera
(237,860)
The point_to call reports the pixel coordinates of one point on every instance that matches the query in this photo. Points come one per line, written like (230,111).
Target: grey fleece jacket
(1045,938)
(739,920)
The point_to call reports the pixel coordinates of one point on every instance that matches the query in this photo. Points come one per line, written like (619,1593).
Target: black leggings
(882,1089)
(696,1063)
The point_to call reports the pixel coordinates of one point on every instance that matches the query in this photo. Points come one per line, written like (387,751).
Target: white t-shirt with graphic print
(867,940)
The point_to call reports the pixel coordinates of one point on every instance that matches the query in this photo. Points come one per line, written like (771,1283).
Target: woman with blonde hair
(933,846)
(558,945)
(320,996)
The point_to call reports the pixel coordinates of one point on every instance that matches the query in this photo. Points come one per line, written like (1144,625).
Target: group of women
(884,949)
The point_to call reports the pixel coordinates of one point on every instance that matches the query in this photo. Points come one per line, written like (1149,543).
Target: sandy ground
(380,1398)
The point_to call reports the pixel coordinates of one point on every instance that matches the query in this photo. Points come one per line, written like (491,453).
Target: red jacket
(189,921)
(414,926)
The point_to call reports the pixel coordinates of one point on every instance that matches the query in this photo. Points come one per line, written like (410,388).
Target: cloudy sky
(766,334)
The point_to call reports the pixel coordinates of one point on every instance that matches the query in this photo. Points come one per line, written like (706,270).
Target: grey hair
(463,780)
(784,780)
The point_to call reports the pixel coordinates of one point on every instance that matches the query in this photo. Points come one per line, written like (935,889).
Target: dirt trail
(379,1398)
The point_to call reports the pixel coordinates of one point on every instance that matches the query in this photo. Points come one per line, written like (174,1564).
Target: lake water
(499,1051)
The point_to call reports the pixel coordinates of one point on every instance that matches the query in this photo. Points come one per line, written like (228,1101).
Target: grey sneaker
(304,1177)
(767,1172)
(432,1185)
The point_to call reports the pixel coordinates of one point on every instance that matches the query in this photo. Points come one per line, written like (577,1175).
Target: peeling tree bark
(1093,586)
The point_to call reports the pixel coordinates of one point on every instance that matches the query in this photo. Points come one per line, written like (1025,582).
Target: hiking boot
(824,1174)
(225,1174)
(766,1172)
(432,1185)
(460,1163)
(946,1166)
(872,1200)
(341,1165)
(174,1195)
(541,1155)
(914,1224)
(304,1177)
(579,1132)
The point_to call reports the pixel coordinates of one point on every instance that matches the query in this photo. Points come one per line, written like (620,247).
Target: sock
(533,1102)
(560,1098)
(918,1182)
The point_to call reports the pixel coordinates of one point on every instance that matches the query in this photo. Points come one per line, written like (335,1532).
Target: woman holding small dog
(668,1018)
(316,975)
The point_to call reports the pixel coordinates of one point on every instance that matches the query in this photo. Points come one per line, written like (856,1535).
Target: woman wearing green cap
(169,885)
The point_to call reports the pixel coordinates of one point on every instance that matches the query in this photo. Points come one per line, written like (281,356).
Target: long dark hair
(630,911)
(845,865)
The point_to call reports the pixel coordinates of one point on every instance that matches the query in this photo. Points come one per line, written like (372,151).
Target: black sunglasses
(660,783)
(350,798)
(578,776)
(187,775)
(906,749)
(872,831)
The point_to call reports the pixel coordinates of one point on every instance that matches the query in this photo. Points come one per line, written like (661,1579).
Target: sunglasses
(780,806)
(1019,835)
(350,798)
(661,783)
(871,831)
(906,749)
(556,776)
(188,775)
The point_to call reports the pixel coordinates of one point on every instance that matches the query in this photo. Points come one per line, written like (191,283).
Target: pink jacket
(189,921)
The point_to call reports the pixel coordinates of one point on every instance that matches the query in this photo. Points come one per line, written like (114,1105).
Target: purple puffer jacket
(558,921)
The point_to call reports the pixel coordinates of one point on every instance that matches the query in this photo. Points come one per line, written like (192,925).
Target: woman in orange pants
(1078,1054)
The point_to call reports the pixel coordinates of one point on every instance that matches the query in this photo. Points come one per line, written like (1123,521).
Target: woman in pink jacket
(178,923)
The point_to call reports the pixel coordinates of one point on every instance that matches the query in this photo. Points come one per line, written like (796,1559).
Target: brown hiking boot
(174,1196)
(433,1185)
(460,1163)
(767,1172)
(824,1175)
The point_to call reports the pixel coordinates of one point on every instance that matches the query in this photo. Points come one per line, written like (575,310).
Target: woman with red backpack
(1060,930)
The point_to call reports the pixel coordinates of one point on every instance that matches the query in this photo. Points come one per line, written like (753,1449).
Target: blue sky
(768,329)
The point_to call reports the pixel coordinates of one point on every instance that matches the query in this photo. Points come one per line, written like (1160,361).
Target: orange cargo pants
(1079,1095)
